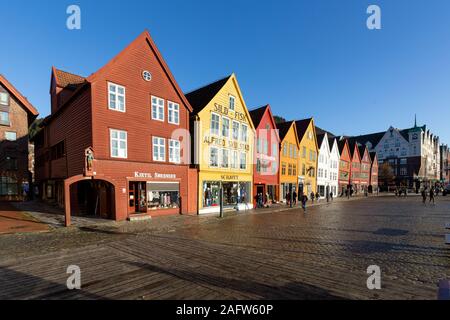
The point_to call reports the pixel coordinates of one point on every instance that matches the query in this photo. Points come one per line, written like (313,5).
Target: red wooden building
(366,164)
(373,185)
(355,169)
(344,167)
(266,167)
(116,144)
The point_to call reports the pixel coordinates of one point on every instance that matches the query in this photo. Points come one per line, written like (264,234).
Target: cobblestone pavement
(274,254)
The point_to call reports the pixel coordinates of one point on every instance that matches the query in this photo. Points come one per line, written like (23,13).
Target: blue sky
(305,58)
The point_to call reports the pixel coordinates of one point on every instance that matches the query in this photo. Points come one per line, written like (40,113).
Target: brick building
(116,144)
(16,115)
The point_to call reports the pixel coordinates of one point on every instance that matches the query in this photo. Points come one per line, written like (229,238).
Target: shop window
(225,127)
(10,136)
(157,109)
(215,123)
(162,196)
(173,112)
(225,158)
(116,96)
(8,186)
(118,143)
(243,162)
(211,194)
(235,130)
(213,157)
(174,151)
(159,149)
(4,118)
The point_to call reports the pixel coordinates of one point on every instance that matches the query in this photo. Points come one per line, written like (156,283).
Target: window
(235,130)
(294,170)
(290,169)
(285,148)
(116,97)
(291,151)
(10,164)
(244,129)
(10,136)
(225,127)
(225,158)
(258,166)
(403,171)
(118,143)
(266,147)
(283,169)
(4,118)
(243,165)
(232,102)
(173,112)
(234,160)
(58,151)
(157,109)
(213,157)
(8,186)
(274,149)
(159,149)
(215,123)
(4,98)
(304,153)
(174,151)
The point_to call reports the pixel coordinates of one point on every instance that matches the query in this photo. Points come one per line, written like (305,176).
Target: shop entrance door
(138,197)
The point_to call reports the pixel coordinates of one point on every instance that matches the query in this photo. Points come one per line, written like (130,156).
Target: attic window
(146,75)
(4,98)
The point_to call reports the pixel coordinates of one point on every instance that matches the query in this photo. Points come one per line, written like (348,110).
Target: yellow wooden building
(289,151)
(223,135)
(308,151)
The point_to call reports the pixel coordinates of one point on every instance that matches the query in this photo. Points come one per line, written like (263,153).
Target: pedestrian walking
(331,196)
(317,196)
(328,197)
(424,195)
(431,195)
(288,198)
(312,197)
(304,201)
(294,198)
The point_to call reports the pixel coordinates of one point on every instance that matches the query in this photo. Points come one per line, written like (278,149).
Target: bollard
(444,290)
(221,202)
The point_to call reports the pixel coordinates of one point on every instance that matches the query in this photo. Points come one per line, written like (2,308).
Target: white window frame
(157,156)
(222,126)
(174,108)
(240,161)
(231,97)
(218,157)
(10,132)
(234,160)
(174,146)
(119,156)
(158,107)
(117,94)
(238,130)
(8,120)
(211,126)
(222,151)
(242,138)
(6,101)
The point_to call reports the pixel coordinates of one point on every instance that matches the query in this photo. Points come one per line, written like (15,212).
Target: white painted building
(328,163)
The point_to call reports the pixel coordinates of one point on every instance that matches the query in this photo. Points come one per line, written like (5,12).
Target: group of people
(291,199)
(428,194)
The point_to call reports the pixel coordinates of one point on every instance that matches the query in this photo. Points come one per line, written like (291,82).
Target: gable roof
(354,148)
(373,155)
(373,138)
(362,150)
(23,100)
(257,115)
(320,138)
(200,98)
(283,129)
(302,126)
(322,131)
(67,80)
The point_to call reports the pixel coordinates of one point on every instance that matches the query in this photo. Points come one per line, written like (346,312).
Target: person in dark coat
(432,195)
(304,201)
(294,198)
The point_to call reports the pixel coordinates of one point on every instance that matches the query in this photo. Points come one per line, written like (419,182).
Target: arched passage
(89,198)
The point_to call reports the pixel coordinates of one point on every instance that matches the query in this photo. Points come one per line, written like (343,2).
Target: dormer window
(4,98)
(116,97)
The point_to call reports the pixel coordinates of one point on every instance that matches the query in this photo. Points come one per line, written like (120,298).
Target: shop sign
(229,177)
(226,143)
(156,175)
(229,113)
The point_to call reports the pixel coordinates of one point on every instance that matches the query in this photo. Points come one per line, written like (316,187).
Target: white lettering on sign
(156,175)
(165,176)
